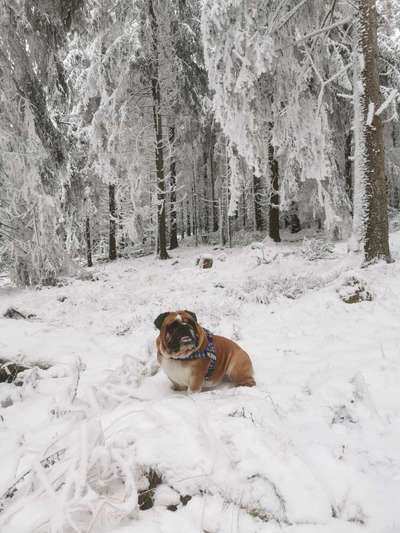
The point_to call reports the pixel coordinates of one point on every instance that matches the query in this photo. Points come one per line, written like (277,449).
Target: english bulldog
(192,357)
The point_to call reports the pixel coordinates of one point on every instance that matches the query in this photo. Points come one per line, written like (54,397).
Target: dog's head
(180,333)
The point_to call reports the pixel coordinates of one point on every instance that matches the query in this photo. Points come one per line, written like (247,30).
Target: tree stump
(205,261)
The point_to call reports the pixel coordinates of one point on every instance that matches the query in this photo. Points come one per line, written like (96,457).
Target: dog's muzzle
(182,337)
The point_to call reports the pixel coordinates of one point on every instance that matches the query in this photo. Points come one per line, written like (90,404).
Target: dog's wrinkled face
(179,333)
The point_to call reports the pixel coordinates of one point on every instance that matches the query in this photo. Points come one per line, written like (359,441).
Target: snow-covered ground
(314,448)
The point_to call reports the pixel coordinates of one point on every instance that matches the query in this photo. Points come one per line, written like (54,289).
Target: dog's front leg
(195,382)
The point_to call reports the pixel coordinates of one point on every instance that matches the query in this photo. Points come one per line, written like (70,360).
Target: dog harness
(208,353)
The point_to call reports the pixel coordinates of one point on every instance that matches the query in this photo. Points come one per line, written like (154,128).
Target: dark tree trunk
(112,246)
(182,223)
(173,243)
(258,215)
(274,196)
(88,243)
(195,224)
(123,242)
(376,230)
(212,178)
(244,213)
(229,229)
(206,225)
(188,224)
(159,154)
(222,236)
(348,167)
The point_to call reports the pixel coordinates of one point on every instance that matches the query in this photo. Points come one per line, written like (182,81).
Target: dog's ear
(191,314)
(160,319)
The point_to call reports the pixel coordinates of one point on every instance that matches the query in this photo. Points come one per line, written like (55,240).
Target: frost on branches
(30,218)
(267,90)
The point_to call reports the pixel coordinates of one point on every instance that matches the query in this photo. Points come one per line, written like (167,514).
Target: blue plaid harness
(208,353)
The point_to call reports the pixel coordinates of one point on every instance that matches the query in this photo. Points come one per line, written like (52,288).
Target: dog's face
(180,333)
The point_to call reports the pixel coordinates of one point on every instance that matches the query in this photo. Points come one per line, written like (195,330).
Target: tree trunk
(88,243)
(173,243)
(372,216)
(206,226)
(188,225)
(112,247)
(222,239)
(348,167)
(258,215)
(159,154)
(274,196)
(212,178)
(195,217)
(244,209)
(182,223)
(229,229)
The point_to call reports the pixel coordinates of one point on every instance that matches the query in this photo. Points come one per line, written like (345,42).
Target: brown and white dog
(192,357)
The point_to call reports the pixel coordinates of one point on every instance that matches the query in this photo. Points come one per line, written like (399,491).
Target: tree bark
(244,209)
(159,153)
(195,223)
(258,215)
(182,223)
(370,152)
(348,168)
(173,242)
(222,238)
(188,225)
(212,179)
(112,246)
(274,196)
(88,243)
(206,226)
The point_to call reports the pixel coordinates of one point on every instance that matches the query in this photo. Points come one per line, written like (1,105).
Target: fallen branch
(16,486)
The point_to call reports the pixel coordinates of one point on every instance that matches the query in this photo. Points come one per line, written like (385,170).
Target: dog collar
(208,353)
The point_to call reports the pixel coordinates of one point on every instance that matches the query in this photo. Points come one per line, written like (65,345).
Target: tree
(173,238)
(33,161)
(158,133)
(371,216)
(274,196)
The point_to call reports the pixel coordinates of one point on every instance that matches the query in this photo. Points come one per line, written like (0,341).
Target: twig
(15,487)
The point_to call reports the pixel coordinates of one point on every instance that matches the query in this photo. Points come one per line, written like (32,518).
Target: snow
(371,113)
(387,102)
(312,449)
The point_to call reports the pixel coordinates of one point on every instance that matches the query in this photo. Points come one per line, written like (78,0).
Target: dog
(192,357)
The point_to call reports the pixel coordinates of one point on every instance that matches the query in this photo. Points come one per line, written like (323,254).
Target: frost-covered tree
(371,217)
(33,156)
(270,70)
(126,123)
(389,68)
(138,83)
(99,64)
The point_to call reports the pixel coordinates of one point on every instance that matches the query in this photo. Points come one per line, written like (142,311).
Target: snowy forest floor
(314,448)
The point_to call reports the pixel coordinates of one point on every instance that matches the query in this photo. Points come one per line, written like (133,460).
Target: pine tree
(33,163)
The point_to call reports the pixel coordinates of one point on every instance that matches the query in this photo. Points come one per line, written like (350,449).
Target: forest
(199,266)
(130,127)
